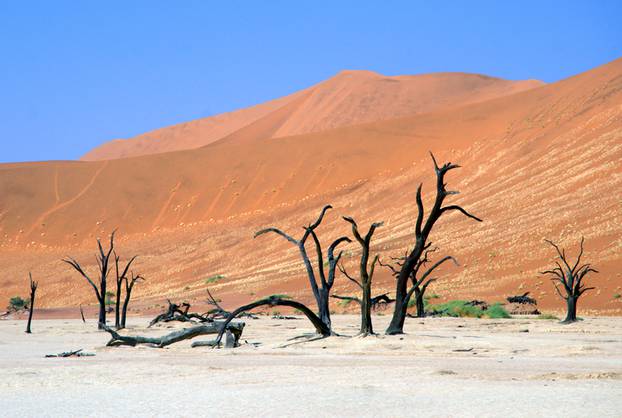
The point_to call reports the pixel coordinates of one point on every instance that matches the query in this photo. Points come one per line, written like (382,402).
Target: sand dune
(349,98)
(544,162)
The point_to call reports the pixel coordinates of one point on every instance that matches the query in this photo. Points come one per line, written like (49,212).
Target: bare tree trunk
(419,302)
(129,286)
(82,314)
(102,312)
(33,291)
(126,302)
(396,326)
(366,324)
(117,308)
(571,309)
(324,308)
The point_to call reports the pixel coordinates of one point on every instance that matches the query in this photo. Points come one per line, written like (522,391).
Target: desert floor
(441,367)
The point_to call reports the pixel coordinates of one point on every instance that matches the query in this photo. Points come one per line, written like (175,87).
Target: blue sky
(76,74)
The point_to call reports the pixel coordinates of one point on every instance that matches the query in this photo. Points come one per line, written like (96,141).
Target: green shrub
(496,311)
(214,279)
(617,296)
(457,308)
(344,302)
(462,308)
(17,303)
(547,316)
(108,300)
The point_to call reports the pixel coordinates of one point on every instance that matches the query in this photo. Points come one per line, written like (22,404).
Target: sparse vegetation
(214,279)
(17,303)
(463,308)
(547,316)
(109,296)
(617,296)
(496,311)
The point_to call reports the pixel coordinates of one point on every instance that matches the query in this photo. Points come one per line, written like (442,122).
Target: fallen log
(76,353)
(522,299)
(175,336)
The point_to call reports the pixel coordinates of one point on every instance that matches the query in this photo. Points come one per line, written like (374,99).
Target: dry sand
(551,370)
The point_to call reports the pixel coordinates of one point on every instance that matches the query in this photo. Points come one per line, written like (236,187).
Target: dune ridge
(349,98)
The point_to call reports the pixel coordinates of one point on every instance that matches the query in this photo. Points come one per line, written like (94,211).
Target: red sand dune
(542,163)
(349,98)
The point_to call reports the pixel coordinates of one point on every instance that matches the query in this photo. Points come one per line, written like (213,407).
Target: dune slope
(543,163)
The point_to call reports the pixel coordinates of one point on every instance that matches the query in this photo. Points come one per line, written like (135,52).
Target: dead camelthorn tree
(570,279)
(33,291)
(121,277)
(320,326)
(103,262)
(129,286)
(321,292)
(366,274)
(419,285)
(413,261)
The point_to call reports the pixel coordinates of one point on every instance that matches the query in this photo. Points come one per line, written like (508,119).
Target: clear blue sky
(75,74)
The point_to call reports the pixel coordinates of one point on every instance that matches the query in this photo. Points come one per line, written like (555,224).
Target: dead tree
(320,326)
(179,313)
(103,261)
(173,337)
(522,299)
(570,279)
(33,291)
(129,286)
(366,273)
(413,261)
(121,277)
(321,293)
(218,312)
(419,286)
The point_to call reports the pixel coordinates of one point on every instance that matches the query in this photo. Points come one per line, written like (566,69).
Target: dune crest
(349,98)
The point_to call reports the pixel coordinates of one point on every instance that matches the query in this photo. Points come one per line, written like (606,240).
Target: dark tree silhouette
(103,262)
(419,285)
(129,286)
(320,326)
(33,291)
(366,274)
(413,261)
(321,293)
(173,337)
(121,276)
(570,279)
